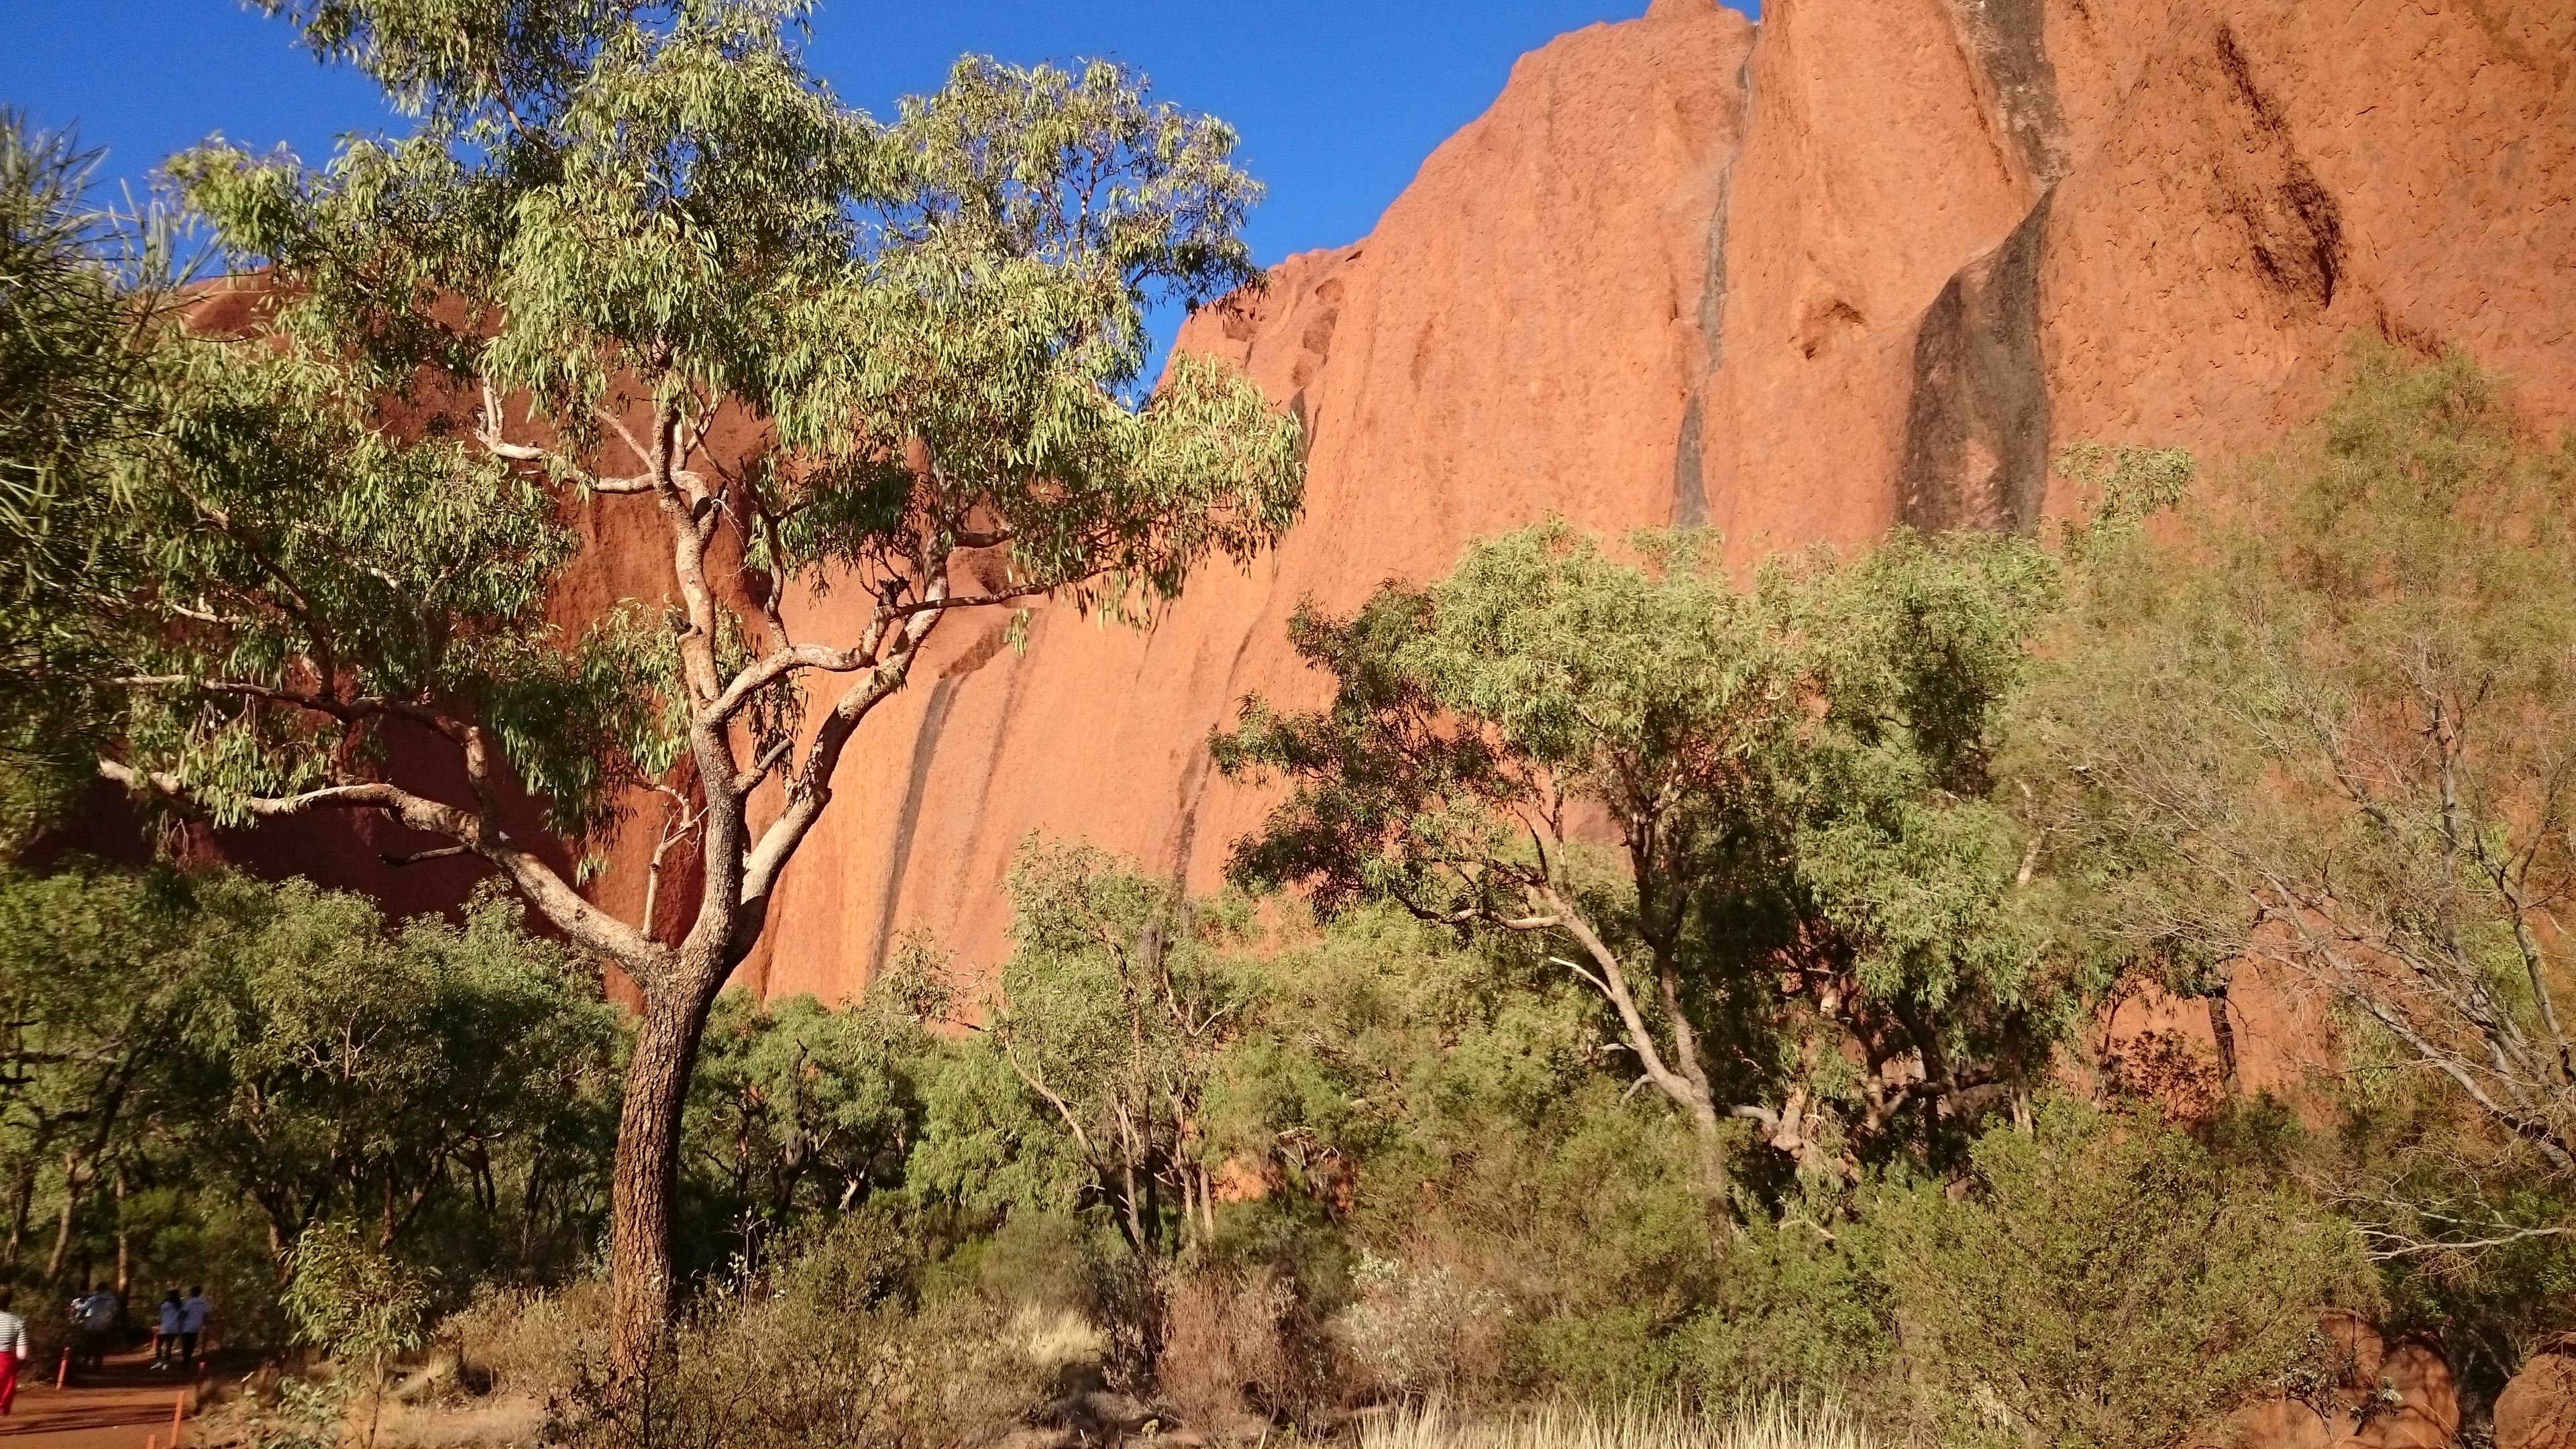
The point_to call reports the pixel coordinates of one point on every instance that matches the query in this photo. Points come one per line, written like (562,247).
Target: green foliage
(2105,1281)
(355,1302)
(618,207)
(349,1299)
(239,1061)
(97,972)
(632,257)
(78,287)
(1823,915)
(1088,1086)
(2480,1253)
(849,1338)
(799,1112)
(348,1069)
(2323,728)
(62,324)
(1384,1041)
(1793,1309)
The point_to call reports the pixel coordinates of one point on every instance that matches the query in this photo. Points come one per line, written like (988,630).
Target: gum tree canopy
(1816,921)
(620,229)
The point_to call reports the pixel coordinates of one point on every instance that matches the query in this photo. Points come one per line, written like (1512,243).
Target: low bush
(1425,1333)
(2105,1281)
(537,1343)
(1792,1308)
(1245,1351)
(838,1344)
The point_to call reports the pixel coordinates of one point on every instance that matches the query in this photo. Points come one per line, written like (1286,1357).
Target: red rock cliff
(1871,260)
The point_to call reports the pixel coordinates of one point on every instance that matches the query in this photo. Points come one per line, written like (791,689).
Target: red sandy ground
(114,1409)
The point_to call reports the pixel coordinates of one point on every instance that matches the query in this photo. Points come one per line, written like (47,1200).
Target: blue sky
(1338,101)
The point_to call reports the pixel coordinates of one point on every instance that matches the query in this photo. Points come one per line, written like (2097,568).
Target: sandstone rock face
(2538,1409)
(2393,1396)
(1519,337)
(1874,260)
(1871,261)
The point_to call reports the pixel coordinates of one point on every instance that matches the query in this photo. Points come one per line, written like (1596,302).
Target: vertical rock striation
(1872,261)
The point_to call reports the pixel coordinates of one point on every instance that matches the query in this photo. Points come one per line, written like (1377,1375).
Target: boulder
(2397,1395)
(2538,1409)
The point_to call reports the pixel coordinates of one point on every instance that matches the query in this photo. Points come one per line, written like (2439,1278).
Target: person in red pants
(13,1350)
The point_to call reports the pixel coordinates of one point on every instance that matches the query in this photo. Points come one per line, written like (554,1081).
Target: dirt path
(114,1409)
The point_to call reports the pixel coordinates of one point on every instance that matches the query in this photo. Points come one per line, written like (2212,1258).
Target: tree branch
(577,918)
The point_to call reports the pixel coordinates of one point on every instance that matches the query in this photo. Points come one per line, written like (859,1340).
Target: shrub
(1794,1308)
(837,1344)
(285,1413)
(1244,1350)
(2104,1281)
(532,1342)
(356,1303)
(1424,1333)
(1577,1235)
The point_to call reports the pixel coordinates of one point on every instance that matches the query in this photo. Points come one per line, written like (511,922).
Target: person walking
(165,1333)
(85,1339)
(192,1324)
(97,1321)
(13,1350)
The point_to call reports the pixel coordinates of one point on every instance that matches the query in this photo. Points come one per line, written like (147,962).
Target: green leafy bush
(2104,1282)
(356,1302)
(1795,1308)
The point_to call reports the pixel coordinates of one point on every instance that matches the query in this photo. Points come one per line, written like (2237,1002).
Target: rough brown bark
(647,1172)
(63,1221)
(2222,1032)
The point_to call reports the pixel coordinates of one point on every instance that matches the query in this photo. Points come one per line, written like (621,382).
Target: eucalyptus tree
(81,287)
(636,256)
(1817,922)
(2327,729)
(97,986)
(1090,1085)
(798,1108)
(338,1066)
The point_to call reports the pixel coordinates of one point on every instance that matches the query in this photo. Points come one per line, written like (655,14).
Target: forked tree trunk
(63,1221)
(647,1174)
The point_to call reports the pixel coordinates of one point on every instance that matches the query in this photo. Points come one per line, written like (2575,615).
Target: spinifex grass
(1770,1423)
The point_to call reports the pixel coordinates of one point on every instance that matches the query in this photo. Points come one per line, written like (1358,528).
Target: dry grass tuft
(502,1420)
(1772,1423)
(532,1343)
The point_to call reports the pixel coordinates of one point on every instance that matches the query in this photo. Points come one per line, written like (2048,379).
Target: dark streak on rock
(2291,220)
(1305,425)
(1193,793)
(1976,427)
(1690,488)
(1690,482)
(2007,44)
(1712,292)
(925,746)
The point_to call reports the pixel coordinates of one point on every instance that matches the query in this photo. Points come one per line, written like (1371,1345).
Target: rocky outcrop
(2389,1395)
(2537,1410)
(1872,261)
